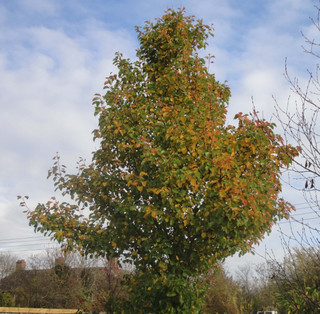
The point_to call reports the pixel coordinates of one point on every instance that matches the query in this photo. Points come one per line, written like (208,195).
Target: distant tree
(171,188)
(68,282)
(247,288)
(297,279)
(223,293)
(256,290)
(7,264)
(264,289)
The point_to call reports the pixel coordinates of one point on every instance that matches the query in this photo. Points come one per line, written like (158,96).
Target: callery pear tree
(171,188)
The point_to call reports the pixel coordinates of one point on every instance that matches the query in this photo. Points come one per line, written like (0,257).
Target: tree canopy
(171,187)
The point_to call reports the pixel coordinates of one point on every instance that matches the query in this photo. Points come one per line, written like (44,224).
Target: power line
(23,241)
(16,252)
(30,244)
(305,213)
(24,238)
(25,244)
(303,203)
(297,221)
(308,207)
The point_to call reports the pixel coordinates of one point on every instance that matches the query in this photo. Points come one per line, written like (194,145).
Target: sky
(55,55)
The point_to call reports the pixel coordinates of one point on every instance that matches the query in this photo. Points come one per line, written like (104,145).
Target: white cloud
(45,99)
(39,6)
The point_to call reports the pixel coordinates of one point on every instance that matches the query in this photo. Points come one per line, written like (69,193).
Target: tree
(301,125)
(71,281)
(223,293)
(300,122)
(7,264)
(256,289)
(247,288)
(265,289)
(6,299)
(298,281)
(171,187)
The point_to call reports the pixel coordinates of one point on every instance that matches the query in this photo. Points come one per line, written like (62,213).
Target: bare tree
(301,126)
(7,264)
(297,275)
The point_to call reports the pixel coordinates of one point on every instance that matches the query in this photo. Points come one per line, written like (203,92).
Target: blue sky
(55,54)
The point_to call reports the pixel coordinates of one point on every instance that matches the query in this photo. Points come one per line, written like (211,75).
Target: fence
(23,310)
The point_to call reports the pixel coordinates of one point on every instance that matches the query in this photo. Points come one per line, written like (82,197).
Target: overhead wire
(19,244)
(8,244)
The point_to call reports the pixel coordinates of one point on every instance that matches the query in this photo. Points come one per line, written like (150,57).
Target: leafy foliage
(6,299)
(223,295)
(171,187)
(297,280)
